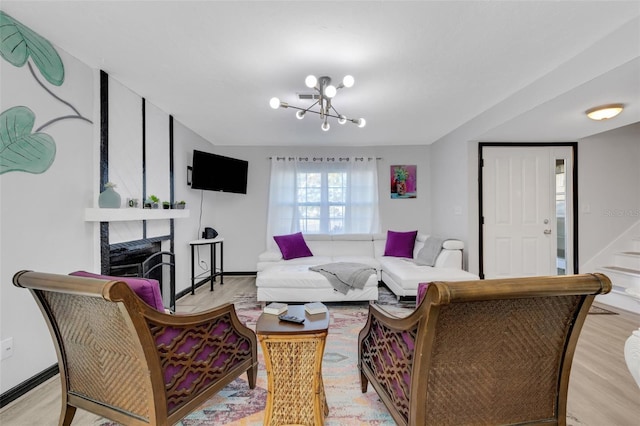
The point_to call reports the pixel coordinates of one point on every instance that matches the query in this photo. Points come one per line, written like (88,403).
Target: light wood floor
(601,391)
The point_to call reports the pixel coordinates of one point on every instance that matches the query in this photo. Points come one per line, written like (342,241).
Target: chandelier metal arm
(306,110)
(326,93)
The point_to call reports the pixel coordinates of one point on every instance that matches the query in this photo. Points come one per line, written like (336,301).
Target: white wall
(125,156)
(452,168)
(608,190)
(185,141)
(609,187)
(241,219)
(42,223)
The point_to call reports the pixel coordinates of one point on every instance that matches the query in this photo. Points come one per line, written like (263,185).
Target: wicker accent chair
(123,360)
(483,352)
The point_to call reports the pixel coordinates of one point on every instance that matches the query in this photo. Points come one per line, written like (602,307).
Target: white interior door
(520,187)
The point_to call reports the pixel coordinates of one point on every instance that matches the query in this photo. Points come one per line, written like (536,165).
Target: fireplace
(144,258)
(126,259)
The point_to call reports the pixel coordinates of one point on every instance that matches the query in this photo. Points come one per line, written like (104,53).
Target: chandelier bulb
(330,91)
(325,126)
(342,119)
(300,114)
(311,81)
(362,122)
(274,103)
(348,81)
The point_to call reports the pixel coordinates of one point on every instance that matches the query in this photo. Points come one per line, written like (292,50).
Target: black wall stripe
(104,165)
(144,162)
(172,291)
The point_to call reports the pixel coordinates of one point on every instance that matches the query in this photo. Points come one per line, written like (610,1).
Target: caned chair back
(122,359)
(480,352)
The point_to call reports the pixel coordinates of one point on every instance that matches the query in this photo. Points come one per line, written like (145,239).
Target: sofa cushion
(409,275)
(145,288)
(400,244)
(292,246)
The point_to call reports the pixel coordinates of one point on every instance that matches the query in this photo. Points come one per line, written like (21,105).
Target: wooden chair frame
(479,352)
(123,360)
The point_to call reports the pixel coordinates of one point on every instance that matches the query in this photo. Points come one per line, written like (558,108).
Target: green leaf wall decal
(21,150)
(18,42)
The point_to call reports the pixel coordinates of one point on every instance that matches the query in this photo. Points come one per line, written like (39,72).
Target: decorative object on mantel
(151,202)
(166,205)
(180,205)
(325,93)
(132,202)
(109,198)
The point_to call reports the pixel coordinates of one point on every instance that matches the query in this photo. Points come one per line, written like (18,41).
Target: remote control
(291,318)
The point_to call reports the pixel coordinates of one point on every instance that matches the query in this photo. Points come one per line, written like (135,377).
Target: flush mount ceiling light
(325,93)
(604,112)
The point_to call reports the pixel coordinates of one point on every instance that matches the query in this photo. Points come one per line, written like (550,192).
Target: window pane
(336,211)
(336,195)
(314,180)
(561,208)
(336,179)
(314,195)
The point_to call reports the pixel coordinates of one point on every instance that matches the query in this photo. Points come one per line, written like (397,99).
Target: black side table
(214,271)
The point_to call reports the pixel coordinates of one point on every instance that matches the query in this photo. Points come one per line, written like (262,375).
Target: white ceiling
(424,70)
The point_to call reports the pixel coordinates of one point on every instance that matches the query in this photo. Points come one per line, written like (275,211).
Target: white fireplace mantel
(131,214)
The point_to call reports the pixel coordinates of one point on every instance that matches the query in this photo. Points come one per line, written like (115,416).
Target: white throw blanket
(345,276)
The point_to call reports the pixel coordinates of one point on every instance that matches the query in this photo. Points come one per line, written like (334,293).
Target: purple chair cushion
(422,292)
(292,246)
(147,289)
(400,244)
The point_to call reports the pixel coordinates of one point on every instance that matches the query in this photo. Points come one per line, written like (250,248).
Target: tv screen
(214,172)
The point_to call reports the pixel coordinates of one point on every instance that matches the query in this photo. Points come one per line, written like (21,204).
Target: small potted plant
(152,202)
(180,205)
(166,205)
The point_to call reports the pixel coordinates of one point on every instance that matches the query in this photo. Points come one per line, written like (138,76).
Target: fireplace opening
(144,259)
(126,259)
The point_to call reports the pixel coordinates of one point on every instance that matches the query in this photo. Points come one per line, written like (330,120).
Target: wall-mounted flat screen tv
(214,172)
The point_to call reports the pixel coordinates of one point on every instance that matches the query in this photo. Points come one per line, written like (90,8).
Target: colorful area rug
(237,405)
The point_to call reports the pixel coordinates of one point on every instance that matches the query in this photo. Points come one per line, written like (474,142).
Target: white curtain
(361,198)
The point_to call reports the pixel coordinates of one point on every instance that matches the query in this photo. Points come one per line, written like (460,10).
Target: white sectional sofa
(292,281)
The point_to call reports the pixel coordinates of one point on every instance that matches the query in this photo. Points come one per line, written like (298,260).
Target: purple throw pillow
(145,288)
(400,244)
(292,246)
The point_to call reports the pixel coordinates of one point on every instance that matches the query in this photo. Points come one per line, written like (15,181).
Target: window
(321,199)
(332,196)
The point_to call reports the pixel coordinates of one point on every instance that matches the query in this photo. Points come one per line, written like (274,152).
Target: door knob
(547,231)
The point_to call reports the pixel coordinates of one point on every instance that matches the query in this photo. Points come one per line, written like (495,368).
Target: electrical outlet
(7,348)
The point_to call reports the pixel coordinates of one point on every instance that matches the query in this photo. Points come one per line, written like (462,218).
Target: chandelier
(325,93)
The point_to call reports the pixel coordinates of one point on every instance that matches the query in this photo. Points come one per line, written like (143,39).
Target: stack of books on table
(275,308)
(315,308)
